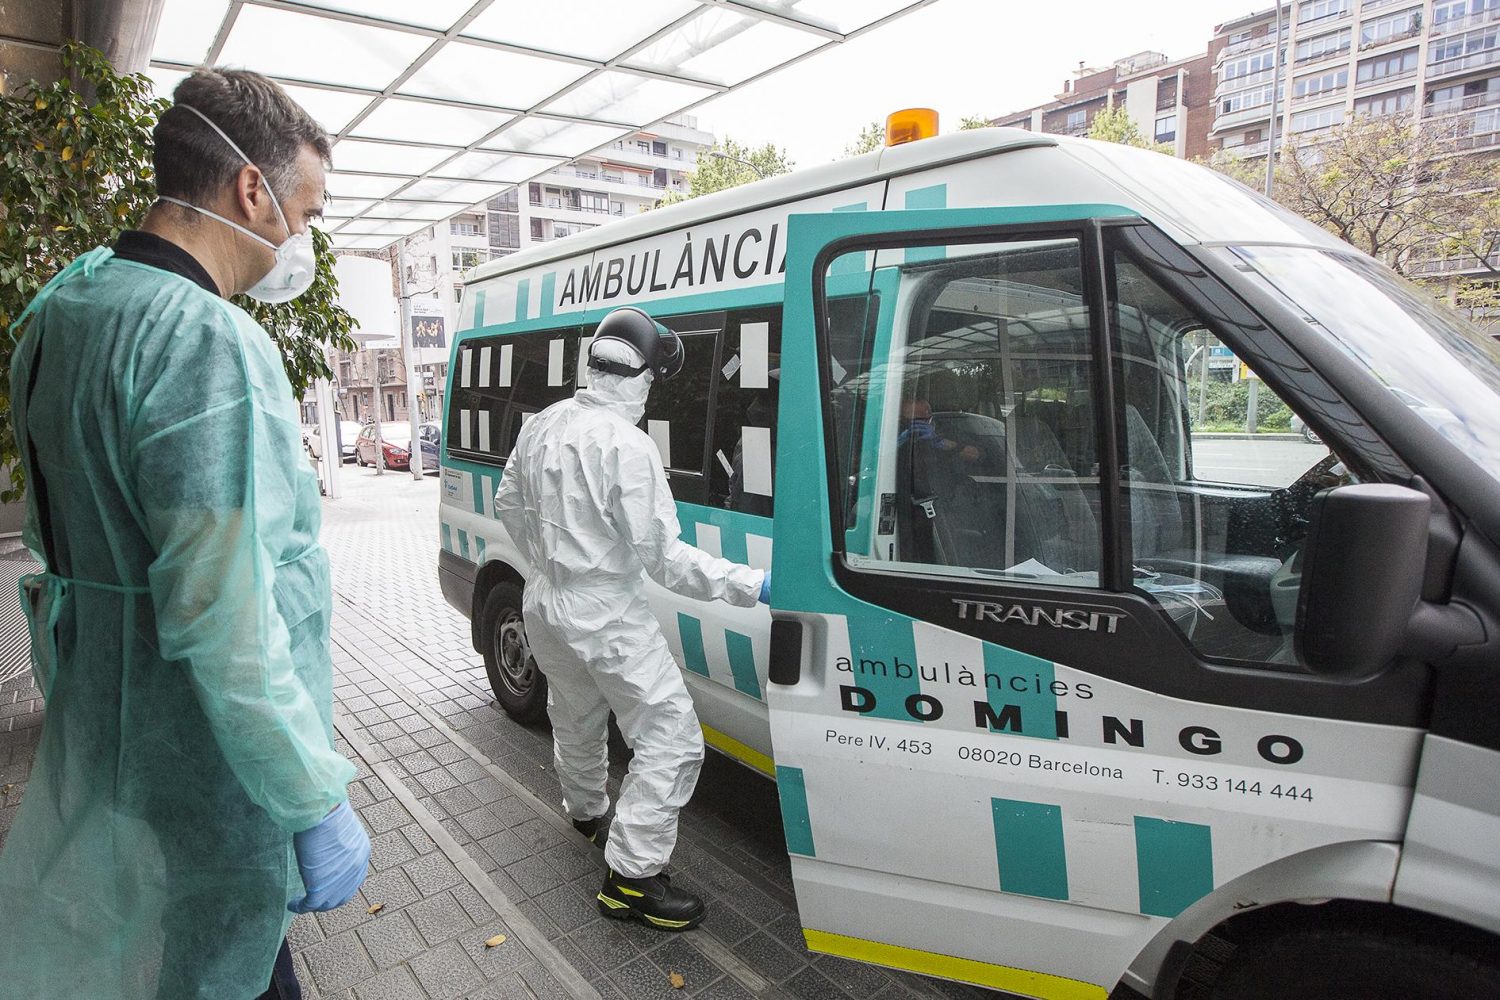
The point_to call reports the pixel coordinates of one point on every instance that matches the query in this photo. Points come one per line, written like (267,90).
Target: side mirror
(1362,568)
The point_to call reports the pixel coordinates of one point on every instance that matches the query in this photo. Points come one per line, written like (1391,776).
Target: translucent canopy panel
(419,121)
(435,105)
(386,157)
(554,137)
(499,167)
(613,27)
(332,109)
(460,192)
(342,185)
(483,75)
(627,99)
(344,208)
(722,46)
(294,46)
(187,29)
(437,14)
(841,16)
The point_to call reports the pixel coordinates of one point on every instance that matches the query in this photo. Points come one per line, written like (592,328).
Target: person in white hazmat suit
(585,498)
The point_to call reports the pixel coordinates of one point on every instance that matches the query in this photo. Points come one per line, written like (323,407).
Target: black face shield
(661,348)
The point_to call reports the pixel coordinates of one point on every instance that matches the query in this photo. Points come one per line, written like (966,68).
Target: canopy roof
(439,105)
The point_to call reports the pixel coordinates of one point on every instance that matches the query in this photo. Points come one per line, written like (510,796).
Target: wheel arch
(493,572)
(1345,885)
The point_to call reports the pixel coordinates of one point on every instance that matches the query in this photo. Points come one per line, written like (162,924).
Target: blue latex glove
(332,857)
(765,589)
(917,430)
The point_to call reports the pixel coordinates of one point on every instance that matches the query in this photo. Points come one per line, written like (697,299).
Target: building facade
(1169,100)
(1438,60)
(623,179)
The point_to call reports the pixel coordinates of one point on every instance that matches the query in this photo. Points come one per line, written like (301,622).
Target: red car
(396,448)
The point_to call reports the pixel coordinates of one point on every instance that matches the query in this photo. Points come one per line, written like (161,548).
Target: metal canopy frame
(386,186)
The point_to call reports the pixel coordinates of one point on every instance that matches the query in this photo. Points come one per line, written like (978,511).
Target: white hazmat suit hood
(586,501)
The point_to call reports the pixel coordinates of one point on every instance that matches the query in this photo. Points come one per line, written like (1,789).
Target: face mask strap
(220,218)
(275,201)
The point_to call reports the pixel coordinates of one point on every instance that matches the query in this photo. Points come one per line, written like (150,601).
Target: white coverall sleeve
(509,506)
(217,496)
(643,511)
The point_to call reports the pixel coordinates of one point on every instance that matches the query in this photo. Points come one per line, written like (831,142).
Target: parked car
(394,444)
(431,436)
(349,430)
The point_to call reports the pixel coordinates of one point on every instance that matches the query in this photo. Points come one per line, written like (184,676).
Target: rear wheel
(519,686)
(1354,964)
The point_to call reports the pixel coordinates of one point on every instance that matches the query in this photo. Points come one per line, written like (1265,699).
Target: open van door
(899,513)
(1006,750)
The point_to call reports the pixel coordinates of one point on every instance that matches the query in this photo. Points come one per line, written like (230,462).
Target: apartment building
(1437,59)
(1169,100)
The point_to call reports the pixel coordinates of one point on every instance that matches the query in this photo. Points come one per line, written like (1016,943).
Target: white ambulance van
(1061,697)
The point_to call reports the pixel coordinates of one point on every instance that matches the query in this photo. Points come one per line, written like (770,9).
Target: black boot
(653,901)
(590,828)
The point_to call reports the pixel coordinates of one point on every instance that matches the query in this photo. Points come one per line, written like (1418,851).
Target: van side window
(740,468)
(1216,503)
(499,382)
(968,424)
(677,410)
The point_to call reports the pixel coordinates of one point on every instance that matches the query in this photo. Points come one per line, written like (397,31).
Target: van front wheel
(519,686)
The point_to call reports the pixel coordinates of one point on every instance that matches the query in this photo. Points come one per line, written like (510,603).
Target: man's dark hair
(192,161)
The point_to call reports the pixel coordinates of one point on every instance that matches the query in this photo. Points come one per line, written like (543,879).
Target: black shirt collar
(148,248)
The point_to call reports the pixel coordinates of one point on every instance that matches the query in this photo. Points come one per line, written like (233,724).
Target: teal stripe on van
(478,297)
(927,197)
(447,537)
(463,543)
(742,663)
(549,291)
(791,786)
(1029,848)
(1174,864)
(479,496)
(849,263)
(479,550)
(691,630)
(523,300)
(1019,688)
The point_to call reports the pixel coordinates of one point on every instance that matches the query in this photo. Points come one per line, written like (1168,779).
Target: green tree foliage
(871,138)
(719,173)
(76,171)
(973,121)
(1115,125)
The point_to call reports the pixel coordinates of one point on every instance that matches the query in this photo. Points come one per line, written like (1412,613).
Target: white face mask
(296,264)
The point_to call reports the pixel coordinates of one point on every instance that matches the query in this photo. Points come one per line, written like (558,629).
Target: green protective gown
(180,637)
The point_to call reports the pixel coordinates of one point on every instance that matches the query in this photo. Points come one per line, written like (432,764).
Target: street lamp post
(725,156)
(1275,89)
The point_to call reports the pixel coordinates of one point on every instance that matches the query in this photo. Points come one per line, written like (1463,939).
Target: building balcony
(1259,78)
(1463,64)
(1332,55)
(1249,150)
(565,212)
(629,153)
(1384,82)
(1248,45)
(1332,94)
(1319,23)
(1472,102)
(1400,36)
(1432,267)
(1452,25)
(1244,116)
(1474,129)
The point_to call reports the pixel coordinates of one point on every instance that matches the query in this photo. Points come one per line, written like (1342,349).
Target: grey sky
(961,57)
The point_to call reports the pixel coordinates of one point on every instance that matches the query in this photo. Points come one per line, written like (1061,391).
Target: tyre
(1354,964)
(1310,436)
(519,686)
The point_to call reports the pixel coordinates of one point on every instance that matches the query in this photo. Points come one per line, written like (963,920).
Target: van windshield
(1438,364)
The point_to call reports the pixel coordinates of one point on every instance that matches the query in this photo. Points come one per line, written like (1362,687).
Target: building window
(507,202)
(1166,129)
(1077,120)
(1385,104)
(658,149)
(1324,46)
(617,208)
(589,201)
(456,228)
(458,292)
(1462,97)
(1317,10)
(1246,99)
(536,229)
(465,259)
(1319,118)
(1389,27)
(1387,67)
(1324,83)
(1483,40)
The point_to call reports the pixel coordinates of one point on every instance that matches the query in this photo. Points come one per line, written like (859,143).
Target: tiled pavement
(469,842)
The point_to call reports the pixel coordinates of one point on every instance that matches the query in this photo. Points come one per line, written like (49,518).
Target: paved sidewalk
(469,841)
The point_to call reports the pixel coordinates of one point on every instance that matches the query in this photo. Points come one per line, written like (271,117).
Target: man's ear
(250,192)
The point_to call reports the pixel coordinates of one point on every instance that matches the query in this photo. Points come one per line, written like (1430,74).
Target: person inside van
(585,498)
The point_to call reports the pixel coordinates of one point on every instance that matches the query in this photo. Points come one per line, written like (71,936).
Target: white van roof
(1194,203)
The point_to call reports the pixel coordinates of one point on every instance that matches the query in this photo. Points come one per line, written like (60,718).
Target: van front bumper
(456,578)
